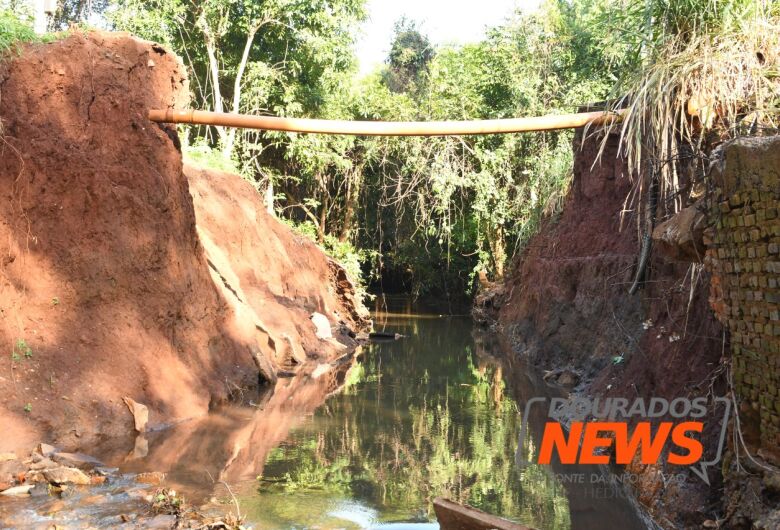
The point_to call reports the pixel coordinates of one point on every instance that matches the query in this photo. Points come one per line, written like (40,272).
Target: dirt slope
(104,281)
(274,279)
(566,307)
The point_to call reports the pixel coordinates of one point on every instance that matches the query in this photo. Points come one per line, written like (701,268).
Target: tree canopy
(426,214)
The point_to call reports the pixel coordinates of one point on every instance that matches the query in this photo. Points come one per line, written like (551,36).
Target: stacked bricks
(743,254)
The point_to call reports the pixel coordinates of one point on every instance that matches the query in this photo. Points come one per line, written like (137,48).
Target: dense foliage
(15,27)
(472,202)
(718,59)
(425,214)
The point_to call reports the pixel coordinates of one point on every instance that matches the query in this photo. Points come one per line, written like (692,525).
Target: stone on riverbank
(65,475)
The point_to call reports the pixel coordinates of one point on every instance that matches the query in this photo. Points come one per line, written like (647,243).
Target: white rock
(46,449)
(320,370)
(17,490)
(321,326)
(140,413)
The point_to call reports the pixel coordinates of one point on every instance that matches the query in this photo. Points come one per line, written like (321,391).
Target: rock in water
(17,490)
(140,413)
(155,478)
(161,521)
(78,460)
(43,463)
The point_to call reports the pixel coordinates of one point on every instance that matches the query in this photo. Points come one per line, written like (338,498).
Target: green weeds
(21,349)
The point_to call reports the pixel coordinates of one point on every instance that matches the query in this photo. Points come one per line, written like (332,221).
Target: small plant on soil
(21,348)
(55,301)
(16,27)
(28,408)
(166,501)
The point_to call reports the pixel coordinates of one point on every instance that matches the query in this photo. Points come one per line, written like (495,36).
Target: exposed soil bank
(566,307)
(112,282)
(273,279)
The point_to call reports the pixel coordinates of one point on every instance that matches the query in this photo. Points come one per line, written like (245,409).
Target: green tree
(442,208)
(277,56)
(435,211)
(76,12)
(410,54)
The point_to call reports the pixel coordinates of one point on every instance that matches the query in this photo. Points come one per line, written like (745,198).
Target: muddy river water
(369,446)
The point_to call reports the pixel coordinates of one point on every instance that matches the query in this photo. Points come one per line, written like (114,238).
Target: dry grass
(728,75)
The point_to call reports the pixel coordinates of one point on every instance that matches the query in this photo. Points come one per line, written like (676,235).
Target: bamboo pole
(550,122)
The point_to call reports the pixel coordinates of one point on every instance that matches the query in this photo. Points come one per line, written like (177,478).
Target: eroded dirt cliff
(112,282)
(566,308)
(272,278)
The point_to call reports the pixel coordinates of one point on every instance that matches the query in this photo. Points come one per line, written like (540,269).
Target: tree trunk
(350,206)
(230,140)
(211,51)
(497,250)
(323,217)
(269,198)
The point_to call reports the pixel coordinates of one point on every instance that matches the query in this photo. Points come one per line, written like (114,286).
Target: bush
(719,59)
(203,155)
(14,29)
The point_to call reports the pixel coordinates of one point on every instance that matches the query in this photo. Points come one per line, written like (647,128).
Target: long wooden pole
(386,128)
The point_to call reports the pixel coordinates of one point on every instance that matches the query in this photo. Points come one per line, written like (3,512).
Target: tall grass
(14,29)
(719,59)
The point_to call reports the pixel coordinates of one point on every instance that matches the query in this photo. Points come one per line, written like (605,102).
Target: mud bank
(181,477)
(120,275)
(565,308)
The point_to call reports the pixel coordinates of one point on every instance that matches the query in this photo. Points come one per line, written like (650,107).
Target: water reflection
(594,501)
(430,415)
(371,444)
(229,445)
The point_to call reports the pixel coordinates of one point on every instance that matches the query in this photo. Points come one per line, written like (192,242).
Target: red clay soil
(566,306)
(274,279)
(103,274)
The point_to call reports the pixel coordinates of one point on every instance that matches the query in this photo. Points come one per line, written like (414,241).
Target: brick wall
(743,253)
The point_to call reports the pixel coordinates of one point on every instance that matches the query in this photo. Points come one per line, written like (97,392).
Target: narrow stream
(367,446)
(433,414)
